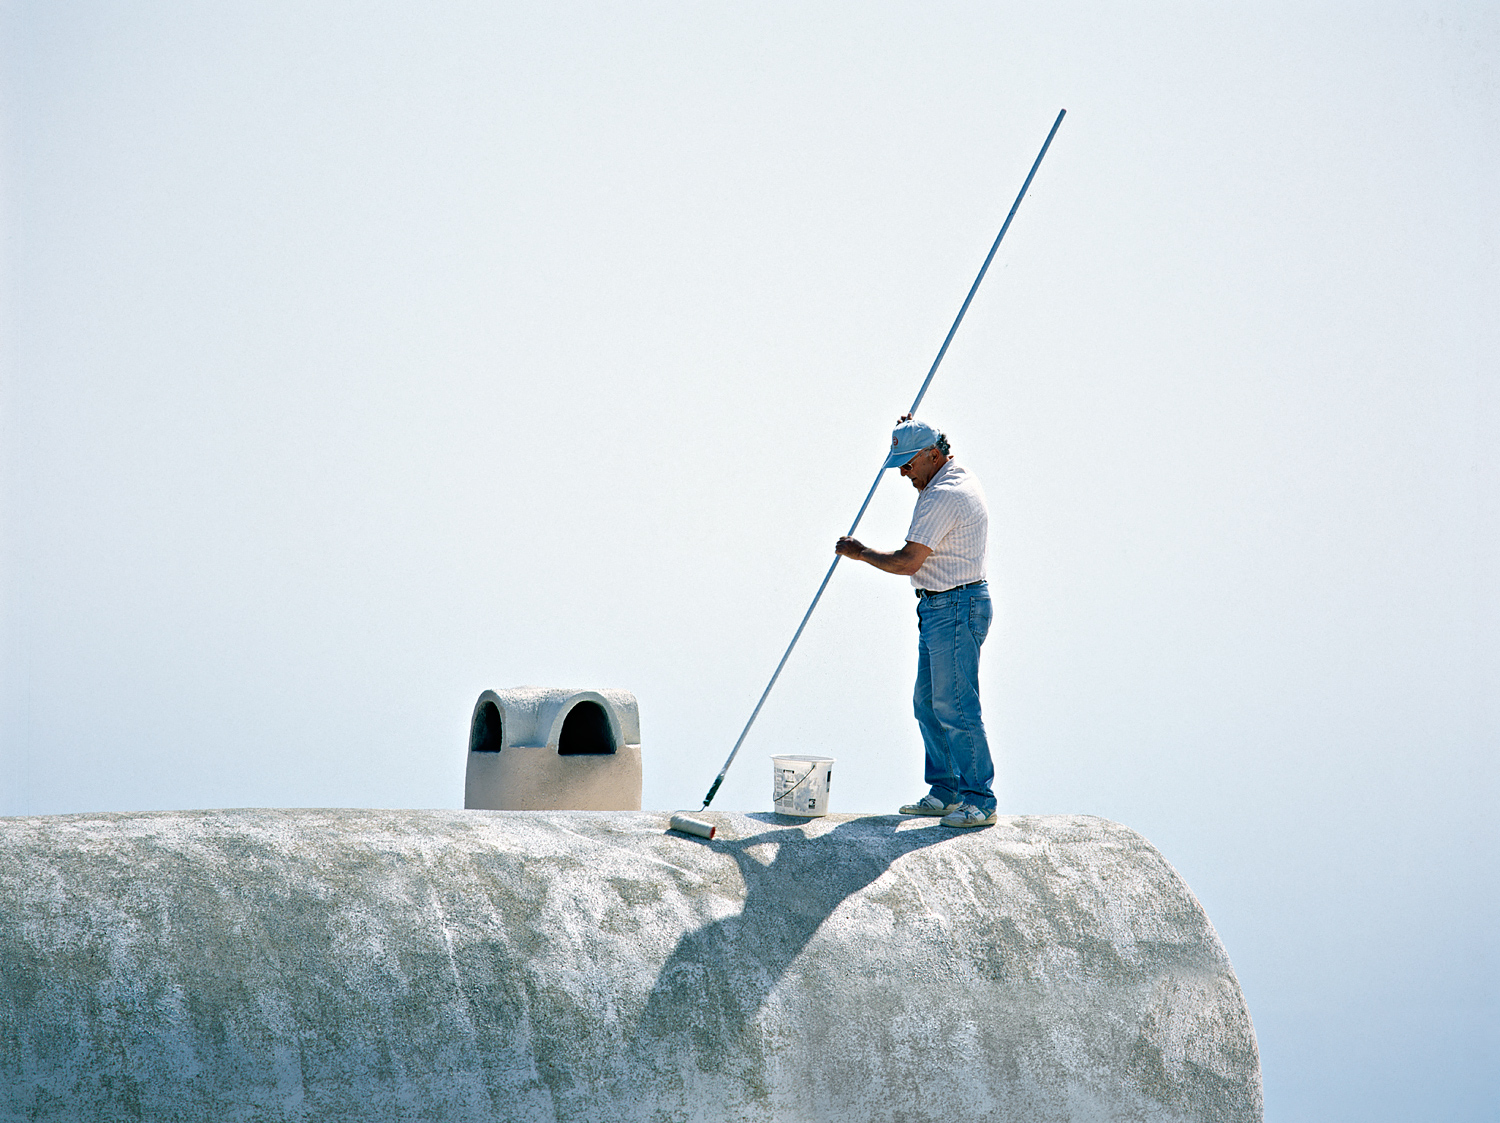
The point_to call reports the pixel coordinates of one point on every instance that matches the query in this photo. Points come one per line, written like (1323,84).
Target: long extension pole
(926,382)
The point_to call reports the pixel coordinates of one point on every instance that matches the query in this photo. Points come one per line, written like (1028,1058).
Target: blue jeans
(952,626)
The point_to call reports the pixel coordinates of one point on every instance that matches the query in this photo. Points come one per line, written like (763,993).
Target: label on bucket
(799,785)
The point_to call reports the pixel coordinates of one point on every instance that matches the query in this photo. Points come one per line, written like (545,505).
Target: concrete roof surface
(463,965)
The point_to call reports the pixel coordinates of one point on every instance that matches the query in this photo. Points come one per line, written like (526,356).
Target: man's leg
(953,646)
(942,778)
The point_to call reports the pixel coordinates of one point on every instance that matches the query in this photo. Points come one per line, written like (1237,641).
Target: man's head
(919,450)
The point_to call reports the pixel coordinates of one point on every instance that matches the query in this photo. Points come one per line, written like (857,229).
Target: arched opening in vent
(485,734)
(585,730)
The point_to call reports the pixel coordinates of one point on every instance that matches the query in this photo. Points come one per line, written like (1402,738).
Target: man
(944,557)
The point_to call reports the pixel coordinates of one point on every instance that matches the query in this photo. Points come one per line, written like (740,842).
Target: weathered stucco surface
(473,965)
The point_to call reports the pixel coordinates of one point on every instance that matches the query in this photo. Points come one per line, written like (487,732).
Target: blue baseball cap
(908,439)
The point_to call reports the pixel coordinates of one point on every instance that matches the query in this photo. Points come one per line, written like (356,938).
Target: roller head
(688,825)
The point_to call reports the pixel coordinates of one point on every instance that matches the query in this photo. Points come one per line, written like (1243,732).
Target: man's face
(921,468)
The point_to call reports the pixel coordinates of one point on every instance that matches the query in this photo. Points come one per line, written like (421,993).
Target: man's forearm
(903,562)
(896,562)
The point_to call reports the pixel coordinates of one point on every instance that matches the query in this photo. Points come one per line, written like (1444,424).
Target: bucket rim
(805,759)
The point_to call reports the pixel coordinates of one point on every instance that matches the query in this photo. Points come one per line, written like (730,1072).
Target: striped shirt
(951,520)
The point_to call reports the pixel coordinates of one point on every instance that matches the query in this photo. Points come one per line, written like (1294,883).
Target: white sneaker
(929,804)
(967,815)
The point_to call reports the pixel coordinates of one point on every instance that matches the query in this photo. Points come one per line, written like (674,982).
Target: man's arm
(904,561)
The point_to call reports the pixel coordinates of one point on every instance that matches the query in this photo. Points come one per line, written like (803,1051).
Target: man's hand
(849,547)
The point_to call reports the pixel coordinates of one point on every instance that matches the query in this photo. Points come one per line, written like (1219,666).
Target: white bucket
(799,785)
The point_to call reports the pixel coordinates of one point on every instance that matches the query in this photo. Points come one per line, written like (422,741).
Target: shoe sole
(934,813)
(990,822)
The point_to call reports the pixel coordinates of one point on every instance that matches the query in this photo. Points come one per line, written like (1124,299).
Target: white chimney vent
(538,748)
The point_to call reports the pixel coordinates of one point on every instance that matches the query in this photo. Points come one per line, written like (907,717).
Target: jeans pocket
(980,613)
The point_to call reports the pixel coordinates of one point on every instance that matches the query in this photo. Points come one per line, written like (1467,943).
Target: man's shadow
(712,986)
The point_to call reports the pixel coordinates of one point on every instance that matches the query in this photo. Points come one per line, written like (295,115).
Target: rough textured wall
(472,965)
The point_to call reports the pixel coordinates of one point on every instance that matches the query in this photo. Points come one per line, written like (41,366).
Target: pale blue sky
(362,357)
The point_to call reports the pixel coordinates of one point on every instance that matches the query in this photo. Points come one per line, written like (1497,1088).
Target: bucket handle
(806,776)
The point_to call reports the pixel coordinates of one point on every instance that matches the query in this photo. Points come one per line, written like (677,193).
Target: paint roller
(696,827)
(700,828)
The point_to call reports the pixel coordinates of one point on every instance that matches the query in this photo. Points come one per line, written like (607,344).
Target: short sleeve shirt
(952,521)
